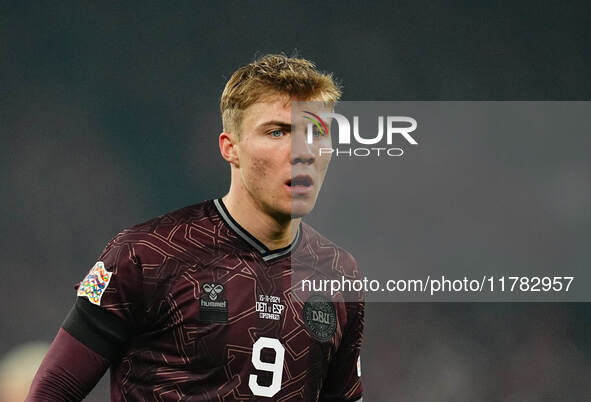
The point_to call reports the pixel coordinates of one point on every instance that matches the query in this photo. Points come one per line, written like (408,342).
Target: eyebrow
(279,123)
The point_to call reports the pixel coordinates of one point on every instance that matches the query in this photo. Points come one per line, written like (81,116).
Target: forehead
(273,107)
(279,108)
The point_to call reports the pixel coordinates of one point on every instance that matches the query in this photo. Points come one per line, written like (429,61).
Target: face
(279,170)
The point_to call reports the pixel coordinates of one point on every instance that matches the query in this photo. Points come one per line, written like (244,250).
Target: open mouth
(300,181)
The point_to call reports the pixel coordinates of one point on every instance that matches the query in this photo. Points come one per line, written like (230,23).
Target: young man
(202,304)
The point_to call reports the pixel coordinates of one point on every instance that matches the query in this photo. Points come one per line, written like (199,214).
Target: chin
(300,208)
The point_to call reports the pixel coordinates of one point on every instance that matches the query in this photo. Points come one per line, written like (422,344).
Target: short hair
(274,74)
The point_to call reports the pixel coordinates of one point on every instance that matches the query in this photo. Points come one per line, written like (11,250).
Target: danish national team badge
(211,305)
(320,318)
(95,283)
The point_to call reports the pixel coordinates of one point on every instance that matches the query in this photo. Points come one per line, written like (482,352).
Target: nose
(301,151)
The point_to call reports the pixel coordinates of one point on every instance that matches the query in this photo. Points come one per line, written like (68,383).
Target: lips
(300,181)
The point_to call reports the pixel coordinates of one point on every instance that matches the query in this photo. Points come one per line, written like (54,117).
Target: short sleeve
(115,282)
(343,382)
(109,302)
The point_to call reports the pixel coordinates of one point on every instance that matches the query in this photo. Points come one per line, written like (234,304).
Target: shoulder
(332,262)
(163,225)
(147,258)
(327,253)
(163,237)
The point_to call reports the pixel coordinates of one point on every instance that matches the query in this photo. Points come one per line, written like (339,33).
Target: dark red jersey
(189,306)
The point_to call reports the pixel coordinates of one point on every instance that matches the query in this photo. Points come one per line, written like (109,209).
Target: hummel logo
(213,290)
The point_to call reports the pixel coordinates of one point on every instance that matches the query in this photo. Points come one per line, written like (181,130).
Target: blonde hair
(274,74)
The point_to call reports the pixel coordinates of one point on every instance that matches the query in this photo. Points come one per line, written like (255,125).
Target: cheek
(259,172)
(260,168)
(323,162)
(263,165)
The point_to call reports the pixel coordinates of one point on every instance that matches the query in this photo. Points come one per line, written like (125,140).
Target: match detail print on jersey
(94,284)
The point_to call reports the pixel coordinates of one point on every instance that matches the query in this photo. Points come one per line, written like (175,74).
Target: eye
(277,133)
(316,132)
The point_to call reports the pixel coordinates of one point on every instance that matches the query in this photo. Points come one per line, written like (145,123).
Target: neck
(273,232)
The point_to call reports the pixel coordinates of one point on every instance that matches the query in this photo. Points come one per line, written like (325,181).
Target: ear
(228,148)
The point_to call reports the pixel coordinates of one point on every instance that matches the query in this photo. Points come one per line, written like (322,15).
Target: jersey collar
(250,239)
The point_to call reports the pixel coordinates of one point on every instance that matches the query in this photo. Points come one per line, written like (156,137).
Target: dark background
(109,116)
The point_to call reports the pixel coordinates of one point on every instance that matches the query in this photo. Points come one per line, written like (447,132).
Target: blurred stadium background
(109,116)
